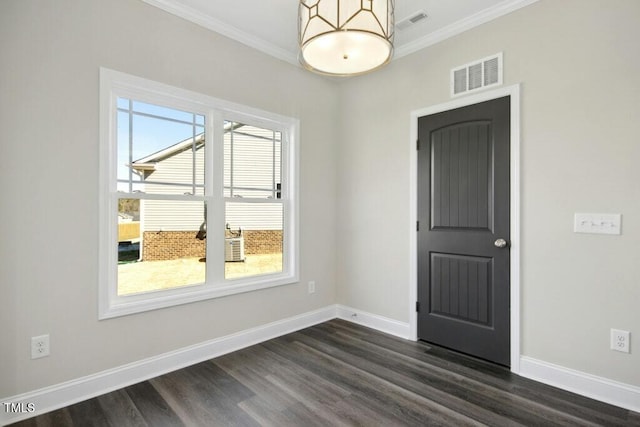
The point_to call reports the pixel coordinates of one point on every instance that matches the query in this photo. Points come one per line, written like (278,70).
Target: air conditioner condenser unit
(234,249)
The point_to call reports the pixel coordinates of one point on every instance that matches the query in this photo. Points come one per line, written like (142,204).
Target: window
(254,213)
(198,197)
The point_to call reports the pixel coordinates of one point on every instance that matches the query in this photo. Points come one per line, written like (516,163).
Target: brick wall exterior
(262,241)
(165,245)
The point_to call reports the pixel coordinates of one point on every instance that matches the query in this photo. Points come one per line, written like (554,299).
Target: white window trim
(114,84)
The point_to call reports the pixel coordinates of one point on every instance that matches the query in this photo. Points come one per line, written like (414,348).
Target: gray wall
(51,52)
(578,63)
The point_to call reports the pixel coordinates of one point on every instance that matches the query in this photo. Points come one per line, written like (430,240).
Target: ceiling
(272,25)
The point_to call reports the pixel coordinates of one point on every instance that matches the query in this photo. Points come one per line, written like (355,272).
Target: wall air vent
(477,75)
(411,20)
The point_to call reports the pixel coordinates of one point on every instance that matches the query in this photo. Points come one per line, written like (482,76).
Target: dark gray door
(463,213)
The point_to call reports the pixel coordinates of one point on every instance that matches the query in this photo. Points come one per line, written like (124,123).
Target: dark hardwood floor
(337,374)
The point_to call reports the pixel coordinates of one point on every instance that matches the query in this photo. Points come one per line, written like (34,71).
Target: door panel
(461,186)
(463,196)
(461,288)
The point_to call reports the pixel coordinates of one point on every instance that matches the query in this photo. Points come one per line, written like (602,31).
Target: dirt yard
(148,276)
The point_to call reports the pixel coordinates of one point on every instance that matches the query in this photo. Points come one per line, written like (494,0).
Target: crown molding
(214,24)
(207,21)
(461,26)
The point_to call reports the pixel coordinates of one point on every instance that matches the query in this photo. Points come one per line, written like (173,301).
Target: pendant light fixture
(345,37)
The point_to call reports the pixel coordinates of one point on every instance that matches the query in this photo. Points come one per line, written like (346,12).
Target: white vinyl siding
(178,169)
(252,158)
(252,170)
(254,216)
(257,160)
(160,215)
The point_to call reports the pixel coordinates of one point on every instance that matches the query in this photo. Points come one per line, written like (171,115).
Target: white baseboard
(602,389)
(613,392)
(58,396)
(380,323)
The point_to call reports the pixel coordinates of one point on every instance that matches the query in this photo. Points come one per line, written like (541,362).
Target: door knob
(500,243)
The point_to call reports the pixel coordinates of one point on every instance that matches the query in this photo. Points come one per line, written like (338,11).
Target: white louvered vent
(477,75)
(411,20)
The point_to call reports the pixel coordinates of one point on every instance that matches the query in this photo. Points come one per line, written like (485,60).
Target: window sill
(131,304)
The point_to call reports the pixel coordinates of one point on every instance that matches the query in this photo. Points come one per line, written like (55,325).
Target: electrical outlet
(620,340)
(312,287)
(39,346)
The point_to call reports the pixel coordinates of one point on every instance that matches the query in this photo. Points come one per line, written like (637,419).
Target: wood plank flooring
(339,374)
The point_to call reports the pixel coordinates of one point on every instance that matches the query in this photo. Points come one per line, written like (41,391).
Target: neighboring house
(251,170)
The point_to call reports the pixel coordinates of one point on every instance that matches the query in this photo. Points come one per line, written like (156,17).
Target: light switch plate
(597,223)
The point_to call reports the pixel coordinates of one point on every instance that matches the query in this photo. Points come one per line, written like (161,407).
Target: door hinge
(417,306)
(418,144)
(417,225)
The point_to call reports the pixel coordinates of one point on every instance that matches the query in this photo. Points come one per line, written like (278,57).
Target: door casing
(513,92)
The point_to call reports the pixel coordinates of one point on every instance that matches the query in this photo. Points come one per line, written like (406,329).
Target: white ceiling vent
(411,20)
(477,75)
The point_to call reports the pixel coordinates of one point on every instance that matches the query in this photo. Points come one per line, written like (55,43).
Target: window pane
(123,103)
(128,230)
(158,110)
(252,161)
(157,154)
(161,245)
(253,241)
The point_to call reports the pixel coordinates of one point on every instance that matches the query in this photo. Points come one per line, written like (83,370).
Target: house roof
(148,163)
